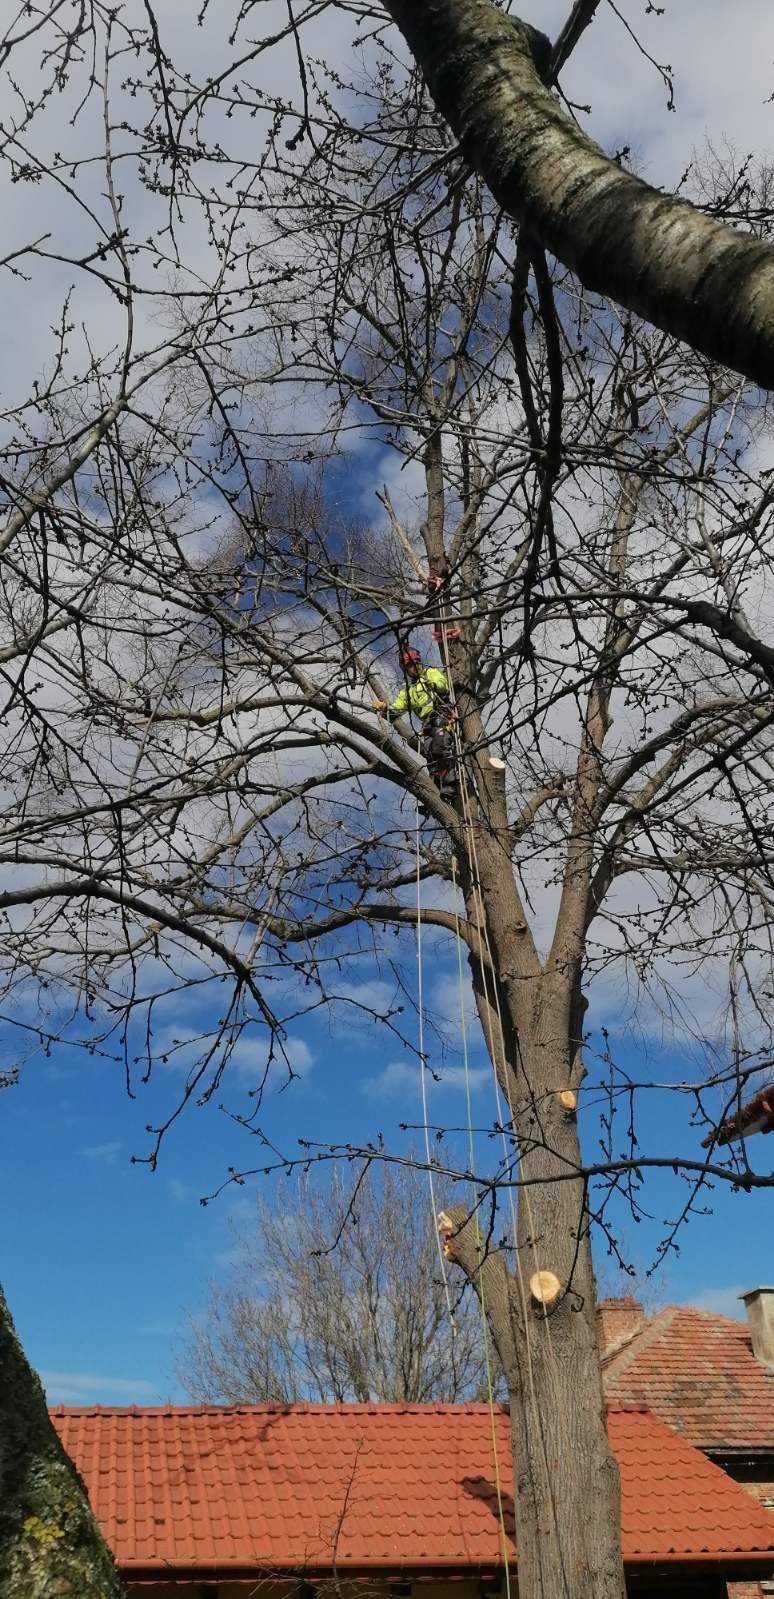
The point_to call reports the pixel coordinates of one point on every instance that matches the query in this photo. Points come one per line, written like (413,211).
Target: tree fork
(50,1543)
(489,74)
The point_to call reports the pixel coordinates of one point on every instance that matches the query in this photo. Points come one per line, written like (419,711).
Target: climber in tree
(426,696)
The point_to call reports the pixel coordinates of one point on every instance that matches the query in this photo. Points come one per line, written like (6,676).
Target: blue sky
(103,1258)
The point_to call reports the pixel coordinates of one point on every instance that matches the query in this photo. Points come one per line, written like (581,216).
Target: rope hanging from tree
(543,1294)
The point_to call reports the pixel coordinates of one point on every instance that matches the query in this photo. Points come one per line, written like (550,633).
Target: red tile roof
(698,1372)
(757,1116)
(389,1487)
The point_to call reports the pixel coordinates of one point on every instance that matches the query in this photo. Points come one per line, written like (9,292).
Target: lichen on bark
(50,1543)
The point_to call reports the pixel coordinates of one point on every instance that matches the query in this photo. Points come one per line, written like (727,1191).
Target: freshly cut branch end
(446,1228)
(568,1101)
(545,1288)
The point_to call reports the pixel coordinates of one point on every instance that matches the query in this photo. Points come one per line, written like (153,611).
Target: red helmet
(410,658)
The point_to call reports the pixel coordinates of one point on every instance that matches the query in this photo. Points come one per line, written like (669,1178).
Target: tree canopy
(373,370)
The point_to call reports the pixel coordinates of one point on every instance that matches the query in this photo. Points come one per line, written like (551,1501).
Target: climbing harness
(426,694)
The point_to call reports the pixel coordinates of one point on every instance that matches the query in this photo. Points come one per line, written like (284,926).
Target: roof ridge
(277,1408)
(642,1338)
(735,1322)
(474,1408)
(647,1332)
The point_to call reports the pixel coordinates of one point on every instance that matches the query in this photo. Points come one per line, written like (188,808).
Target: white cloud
(367,997)
(106,1154)
(399,1078)
(249,1056)
(88,1387)
(299,1054)
(181,1045)
(179,1192)
(723,1301)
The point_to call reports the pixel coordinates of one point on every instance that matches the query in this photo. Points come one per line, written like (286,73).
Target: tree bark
(568,1487)
(50,1543)
(656,255)
(567,1494)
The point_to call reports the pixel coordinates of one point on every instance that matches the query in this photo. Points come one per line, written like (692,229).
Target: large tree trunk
(567,1496)
(569,1516)
(568,1525)
(488,73)
(50,1544)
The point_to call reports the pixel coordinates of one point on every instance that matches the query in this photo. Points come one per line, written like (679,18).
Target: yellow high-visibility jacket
(423,695)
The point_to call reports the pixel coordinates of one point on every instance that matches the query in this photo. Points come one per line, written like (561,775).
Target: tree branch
(464,1243)
(658,256)
(583,12)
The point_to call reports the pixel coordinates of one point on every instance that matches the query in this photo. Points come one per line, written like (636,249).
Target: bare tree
(206,811)
(337,1298)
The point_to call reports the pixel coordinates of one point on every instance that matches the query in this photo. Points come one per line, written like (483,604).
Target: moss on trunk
(50,1544)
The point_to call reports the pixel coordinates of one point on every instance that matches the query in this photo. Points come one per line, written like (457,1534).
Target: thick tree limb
(654,254)
(401,915)
(465,1242)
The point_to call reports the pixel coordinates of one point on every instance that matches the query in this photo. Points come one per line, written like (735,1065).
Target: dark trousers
(438,749)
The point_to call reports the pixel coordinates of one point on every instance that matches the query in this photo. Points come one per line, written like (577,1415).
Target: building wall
(266,1588)
(758,1480)
(660,1586)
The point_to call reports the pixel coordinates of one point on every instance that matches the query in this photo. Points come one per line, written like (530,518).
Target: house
(709,1377)
(756,1116)
(383,1500)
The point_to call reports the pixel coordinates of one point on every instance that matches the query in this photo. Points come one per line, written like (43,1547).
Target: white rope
(494,1006)
(423,1083)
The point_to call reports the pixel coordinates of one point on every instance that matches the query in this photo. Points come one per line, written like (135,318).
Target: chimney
(759,1304)
(617,1319)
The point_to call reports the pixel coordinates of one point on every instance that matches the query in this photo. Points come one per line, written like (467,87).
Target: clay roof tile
(398,1487)
(696,1370)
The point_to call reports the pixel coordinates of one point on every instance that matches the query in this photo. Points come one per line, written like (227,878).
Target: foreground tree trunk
(50,1543)
(490,75)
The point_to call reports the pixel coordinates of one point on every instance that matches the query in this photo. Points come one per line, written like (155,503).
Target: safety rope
(485,1331)
(423,1081)
(423,1072)
(485,1334)
(493,1005)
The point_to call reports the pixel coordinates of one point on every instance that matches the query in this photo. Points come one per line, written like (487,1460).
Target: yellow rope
(471,1159)
(495,1005)
(472,1164)
(423,1083)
